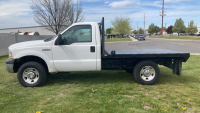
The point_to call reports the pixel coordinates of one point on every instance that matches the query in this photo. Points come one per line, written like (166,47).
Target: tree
(135,32)
(169,29)
(141,31)
(187,30)
(109,30)
(121,25)
(152,28)
(157,29)
(56,14)
(179,26)
(164,28)
(192,29)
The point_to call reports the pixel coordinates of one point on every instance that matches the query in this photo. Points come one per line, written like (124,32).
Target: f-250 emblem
(46,49)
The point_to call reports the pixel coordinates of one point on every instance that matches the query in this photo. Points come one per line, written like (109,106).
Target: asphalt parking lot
(192,47)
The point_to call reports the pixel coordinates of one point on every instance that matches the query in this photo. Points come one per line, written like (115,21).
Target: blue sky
(17,13)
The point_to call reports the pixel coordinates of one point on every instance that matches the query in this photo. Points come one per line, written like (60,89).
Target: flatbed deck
(140,53)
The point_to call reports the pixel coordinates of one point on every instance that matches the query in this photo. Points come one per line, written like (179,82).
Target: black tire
(141,66)
(129,70)
(38,67)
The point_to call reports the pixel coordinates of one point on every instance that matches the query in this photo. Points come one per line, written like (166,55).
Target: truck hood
(26,44)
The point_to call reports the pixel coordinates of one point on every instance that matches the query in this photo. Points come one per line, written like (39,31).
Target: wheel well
(18,63)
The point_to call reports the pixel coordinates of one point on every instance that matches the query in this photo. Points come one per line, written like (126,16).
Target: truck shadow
(91,77)
(103,77)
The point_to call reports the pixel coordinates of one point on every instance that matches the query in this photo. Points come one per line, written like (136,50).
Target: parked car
(192,34)
(136,36)
(125,35)
(140,37)
(144,35)
(198,35)
(182,34)
(132,35)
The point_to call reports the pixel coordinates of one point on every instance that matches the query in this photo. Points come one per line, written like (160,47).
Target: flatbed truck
(81,47)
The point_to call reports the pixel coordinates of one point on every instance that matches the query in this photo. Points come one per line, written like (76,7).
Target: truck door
(77,51)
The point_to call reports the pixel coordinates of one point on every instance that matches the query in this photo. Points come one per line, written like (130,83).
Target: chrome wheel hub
(147,73)
(30,75)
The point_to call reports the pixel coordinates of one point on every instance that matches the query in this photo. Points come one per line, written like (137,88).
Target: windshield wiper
(49,39)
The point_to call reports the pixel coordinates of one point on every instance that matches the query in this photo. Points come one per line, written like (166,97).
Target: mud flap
(177,66)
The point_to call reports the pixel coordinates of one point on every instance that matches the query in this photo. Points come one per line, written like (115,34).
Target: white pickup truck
(80,47)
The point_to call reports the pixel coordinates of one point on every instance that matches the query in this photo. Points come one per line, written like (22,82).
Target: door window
(79,33)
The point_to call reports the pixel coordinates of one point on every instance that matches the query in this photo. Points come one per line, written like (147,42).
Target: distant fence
(8,39)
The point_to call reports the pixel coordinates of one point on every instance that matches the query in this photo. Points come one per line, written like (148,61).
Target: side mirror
(59,40)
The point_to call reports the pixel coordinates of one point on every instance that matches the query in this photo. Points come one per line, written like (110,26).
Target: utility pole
(162,14)
(137,27)
(144,22)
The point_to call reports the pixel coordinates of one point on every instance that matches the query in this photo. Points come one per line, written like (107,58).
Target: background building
(40,29)
(198,28)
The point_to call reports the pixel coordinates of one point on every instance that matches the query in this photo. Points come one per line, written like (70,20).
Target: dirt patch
(190,102)
(146,107)
(147,94)
(131,96)
(58,96)
(156,97)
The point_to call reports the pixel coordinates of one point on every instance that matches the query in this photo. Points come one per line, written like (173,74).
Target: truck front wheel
(146,72)
(31,74)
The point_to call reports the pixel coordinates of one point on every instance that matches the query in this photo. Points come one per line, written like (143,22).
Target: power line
(181,9)
(144,21)
(151,16)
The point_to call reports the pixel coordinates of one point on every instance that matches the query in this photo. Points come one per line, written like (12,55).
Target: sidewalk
(132,38)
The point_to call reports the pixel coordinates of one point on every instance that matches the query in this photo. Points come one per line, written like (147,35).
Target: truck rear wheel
(31,74)
(146,72)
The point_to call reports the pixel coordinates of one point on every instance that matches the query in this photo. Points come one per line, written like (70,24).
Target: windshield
(57,34)
(49,39)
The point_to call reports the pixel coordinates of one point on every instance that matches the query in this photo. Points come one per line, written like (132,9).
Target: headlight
(10,54)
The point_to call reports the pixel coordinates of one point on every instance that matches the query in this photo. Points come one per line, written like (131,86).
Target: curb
(194,53)
(2,55)
(120,41)
(172,39)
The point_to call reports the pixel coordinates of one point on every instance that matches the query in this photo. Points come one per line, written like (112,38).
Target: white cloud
(90,0)
(107,2)
(16,14)
(19,14)
(14,7)
(118,4)
(172,1)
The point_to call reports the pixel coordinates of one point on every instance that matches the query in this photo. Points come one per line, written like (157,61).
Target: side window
(77,34)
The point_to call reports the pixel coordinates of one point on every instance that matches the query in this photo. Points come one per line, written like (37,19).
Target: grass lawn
(104,91)
(117,39)
(179,37)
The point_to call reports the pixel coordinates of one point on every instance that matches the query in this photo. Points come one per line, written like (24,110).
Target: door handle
(92,49)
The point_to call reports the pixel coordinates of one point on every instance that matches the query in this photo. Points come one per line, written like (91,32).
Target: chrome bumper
(10,65)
